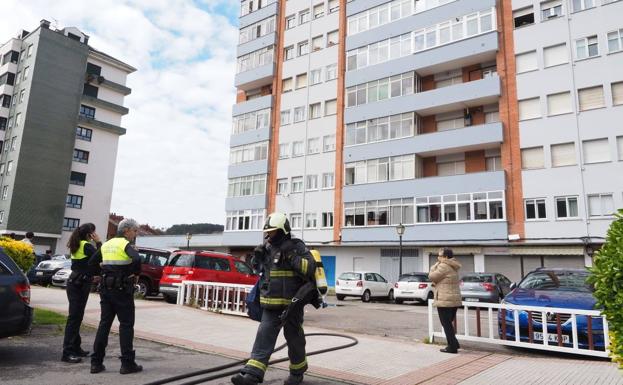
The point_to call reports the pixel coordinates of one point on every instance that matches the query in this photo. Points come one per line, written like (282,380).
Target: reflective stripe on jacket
(113,252)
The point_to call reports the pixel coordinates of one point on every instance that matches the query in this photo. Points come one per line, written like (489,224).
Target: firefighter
(82,244)
(287,265)
(120,266)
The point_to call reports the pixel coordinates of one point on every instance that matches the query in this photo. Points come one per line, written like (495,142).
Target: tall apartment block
(487,126)
(60,117)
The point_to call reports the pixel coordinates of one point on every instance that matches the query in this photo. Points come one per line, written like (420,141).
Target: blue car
(558,288)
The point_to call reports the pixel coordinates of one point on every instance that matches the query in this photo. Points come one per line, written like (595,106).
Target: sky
(172,163)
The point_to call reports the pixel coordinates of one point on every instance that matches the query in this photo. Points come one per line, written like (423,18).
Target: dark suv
(153,262)
(15,310)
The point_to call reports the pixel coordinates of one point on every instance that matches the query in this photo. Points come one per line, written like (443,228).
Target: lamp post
(400,229)
(188,237)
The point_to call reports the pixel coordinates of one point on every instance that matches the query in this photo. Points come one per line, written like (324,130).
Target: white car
(363,284)
(60,277)
(413,287)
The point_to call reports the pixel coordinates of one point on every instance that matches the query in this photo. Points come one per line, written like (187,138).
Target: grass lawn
(46,317)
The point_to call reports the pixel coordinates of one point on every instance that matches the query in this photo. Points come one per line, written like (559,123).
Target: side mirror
(513,285)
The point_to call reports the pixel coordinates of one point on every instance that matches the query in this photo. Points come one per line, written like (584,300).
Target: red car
(205,266)
(153,262)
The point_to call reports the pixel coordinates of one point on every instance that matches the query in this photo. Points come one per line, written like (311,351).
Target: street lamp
(400,229)
(188,237)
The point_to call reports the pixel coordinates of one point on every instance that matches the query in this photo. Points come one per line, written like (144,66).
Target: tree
(607,277)
(195,228)
(19,251)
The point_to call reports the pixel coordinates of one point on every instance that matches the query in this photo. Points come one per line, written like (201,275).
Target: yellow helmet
(276,221)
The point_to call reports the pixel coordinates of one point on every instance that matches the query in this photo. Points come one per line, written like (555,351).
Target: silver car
(60,277)
(484,287)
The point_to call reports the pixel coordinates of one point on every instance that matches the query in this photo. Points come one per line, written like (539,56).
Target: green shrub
(21,252)
(607,276)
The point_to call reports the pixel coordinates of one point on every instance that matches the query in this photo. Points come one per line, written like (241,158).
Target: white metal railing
(545,343)
(228,298)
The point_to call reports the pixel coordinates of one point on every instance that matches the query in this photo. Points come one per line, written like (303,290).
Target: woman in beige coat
(445,276)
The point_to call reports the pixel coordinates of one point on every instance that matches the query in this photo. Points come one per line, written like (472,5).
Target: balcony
(257,44)
(250,238)
(256,77)
(252,105)
(446,99)
(249,137)
(246,202)
(437,143)
(248,168)
(260,14)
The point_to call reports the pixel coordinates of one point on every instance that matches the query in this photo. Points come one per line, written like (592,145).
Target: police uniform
(119,261)
(78,288)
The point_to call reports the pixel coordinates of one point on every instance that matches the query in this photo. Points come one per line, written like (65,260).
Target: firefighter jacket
(287,267)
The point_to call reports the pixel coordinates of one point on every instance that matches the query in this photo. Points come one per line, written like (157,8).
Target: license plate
(174,276)
(407,292)
(471,299)
(39,273)
(345,289)
(552,337)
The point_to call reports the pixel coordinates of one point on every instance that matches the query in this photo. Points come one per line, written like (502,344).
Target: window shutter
(596,151)
(529,109)
(532,158)
(617,93)
(555,55)
(559,103)
(563,154)
(526,62)
(590,98)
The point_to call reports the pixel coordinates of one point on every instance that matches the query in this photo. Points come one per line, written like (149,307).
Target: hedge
(21,252)
(607,277)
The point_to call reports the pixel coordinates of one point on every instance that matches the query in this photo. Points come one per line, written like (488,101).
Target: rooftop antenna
(54,23)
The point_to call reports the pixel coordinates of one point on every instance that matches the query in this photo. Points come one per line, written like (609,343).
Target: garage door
(466,261)
(508,265)
(390,266)
(566,261)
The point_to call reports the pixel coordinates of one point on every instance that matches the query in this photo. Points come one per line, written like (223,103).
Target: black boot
(71,359)
(293,379)
(83,353)
(96,368)
(130,368)
(245,379)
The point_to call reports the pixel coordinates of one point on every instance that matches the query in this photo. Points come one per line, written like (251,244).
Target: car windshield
(350,276)
(557,280)
(182,260)
(413,278)
(478,278)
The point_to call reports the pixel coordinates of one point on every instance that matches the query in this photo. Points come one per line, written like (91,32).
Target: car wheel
(170,299)
(340,297)
(390,296)
(144,287)
(399,301)
(430,296)
(366,297)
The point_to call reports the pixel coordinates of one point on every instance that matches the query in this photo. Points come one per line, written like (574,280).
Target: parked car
(153,262)
(60,277)
(46,269)
(554,287)
(16,313)
(413,287)
(363,284)
(484,287)
(205,266)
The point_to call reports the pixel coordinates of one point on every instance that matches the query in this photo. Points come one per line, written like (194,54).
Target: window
(26,73)
(532,158)
(255,59)
(535,209)
(600,205)
(2,168)
(579,5)
(620,147)
(247,186)
(286,85)
(301,81)
(314,111)
(248,153)
(596,151)
(449,81)
(493,163)
(318,10)
(284,150)
(328,180)
(8,78)
(555,55)
(255,120)
(13,143)
(296,220)
(9,167)
(451,168)
(288,52)
(257,30)
(313,146)
(563,154)
(615,41)
(5,101)
(290,22)
(551,9)
(282,186)
(327,219)
(566,207)
(298,148)
(303,16)
(1,216)
(374,130)
(311,182)
(586,47)
(297,184)
(311,220)
(317,43)
(11,56)
(376,90)
(303,48)
(18,119)
(328,143)
(526,62)
(330,107)
(480,206)
(81,156)
(617,93)
(22,93)
(523,17)
(331,72)
(69,224)
(285,117)
(334,5)
(84,133)
(529,109)
(93,69)
(299,114)
(5,192)
(3,123)
(450,124)
(315,76)
(73,201)
(77,178)
(244,220)
(492,116)
(559,103)
(90,90)
(333,38)
(591,98)
(87,112)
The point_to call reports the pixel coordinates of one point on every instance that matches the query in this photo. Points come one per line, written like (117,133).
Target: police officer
(120,265)
(78,287)
(287,265)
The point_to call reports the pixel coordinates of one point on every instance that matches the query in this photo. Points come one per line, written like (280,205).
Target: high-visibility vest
(79,254)
(113,252)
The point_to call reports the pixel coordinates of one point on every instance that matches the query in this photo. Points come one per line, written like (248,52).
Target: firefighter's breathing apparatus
(311,292)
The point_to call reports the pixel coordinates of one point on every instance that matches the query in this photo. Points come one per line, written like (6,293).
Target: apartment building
(62,104)
(435,118)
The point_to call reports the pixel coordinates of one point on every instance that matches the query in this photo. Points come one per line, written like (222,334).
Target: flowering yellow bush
(21,252)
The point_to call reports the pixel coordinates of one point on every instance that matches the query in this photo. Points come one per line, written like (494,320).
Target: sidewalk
(375,360)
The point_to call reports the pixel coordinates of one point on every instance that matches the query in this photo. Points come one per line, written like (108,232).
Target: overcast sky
(172,163)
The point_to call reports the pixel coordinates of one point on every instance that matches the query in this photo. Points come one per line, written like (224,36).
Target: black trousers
(78,295)
(447,315)
(119,303)
(266,337)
